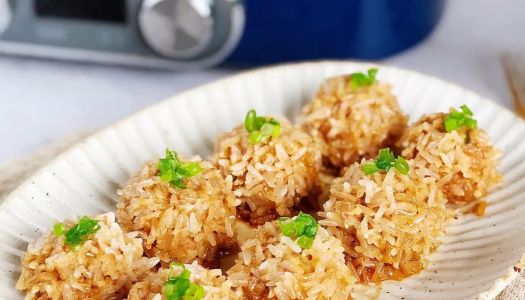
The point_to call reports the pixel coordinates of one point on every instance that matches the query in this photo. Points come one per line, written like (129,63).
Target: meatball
(215,285)
(464,160)
(182,224)
(273,176)
(388,222)
(102,267)
(351,123)
(273,266)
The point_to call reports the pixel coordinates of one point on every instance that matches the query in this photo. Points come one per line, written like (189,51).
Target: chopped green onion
(466,110)
(175,289)
(360,79)
(178,183)
(276,128)
(185,274)
(192,168)
(180,287)
(305,242)
(303,228)
(471,123)
(78,233)
(401,165)
(260,128)
(457,119)
(287,227)
(372,73)
(249,121)
(299,225)
(194,292)
(255,137)
(370,168)
(311,230)
(384,161)
(59,229)
(174,172)
(267,129)
(451,124)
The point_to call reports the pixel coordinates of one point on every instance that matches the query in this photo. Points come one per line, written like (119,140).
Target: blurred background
(69,66)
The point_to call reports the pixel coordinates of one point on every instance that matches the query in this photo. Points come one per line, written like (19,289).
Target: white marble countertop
(41,101)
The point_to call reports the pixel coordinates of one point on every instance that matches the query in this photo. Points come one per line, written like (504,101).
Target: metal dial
(180,29)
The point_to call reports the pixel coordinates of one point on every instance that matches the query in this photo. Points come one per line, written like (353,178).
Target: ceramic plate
(477,256)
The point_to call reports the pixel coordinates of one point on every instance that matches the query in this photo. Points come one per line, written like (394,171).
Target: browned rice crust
(214,283)
(464,160)
(350,124)
(273,266)
(271,177)
(388,222)
(180,224)
(103,267)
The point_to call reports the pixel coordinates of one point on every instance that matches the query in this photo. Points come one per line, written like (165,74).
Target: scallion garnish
(180,287)
(384,161)
(78,233)
(456,119)
(59,229)
(303,228)
(260,127)
(173,171)
(360,79)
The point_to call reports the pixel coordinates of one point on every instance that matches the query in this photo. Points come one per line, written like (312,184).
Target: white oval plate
(478,254)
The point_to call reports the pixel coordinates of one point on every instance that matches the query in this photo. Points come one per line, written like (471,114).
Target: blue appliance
(281,30)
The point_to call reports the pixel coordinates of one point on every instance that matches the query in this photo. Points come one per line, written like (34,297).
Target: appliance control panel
(171,34)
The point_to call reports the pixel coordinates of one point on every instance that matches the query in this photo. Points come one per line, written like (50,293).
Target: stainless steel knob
(188,29)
